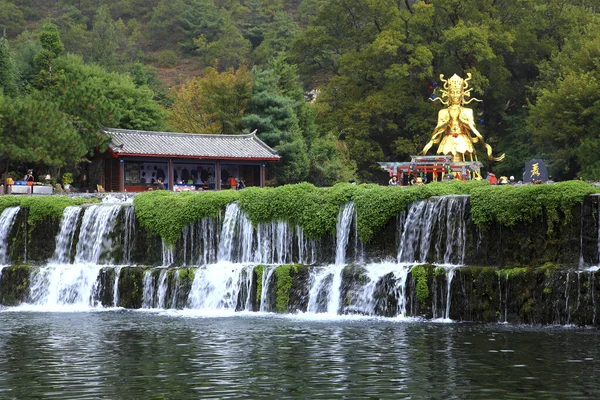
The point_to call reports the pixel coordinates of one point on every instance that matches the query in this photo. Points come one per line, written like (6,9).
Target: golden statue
(456,123)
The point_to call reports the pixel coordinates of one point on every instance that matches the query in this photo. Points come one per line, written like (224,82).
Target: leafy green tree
(9,74)
(213,103)
(565,118)
(374,63)
(202,22)
(106,38)
(34,130)
(273,116)
(166,24)
(229,49)
(254,21)
(52,47)
(11,19)
(278,37)
(144,75)
(93,97)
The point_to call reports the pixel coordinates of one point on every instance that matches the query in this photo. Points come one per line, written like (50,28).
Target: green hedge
(41,207)
(315,209)
(166,213)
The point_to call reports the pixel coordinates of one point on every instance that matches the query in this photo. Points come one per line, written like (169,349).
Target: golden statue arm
(479,137)
(435,138)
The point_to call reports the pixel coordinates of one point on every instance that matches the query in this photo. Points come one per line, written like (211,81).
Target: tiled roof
(165,144)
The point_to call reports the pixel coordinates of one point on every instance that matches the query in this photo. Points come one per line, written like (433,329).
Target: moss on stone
(15,282)
(258,271)
(283,273)
(420,275)
(131,287)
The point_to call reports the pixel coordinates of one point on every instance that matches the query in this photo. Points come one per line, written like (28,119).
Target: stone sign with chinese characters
(535,170)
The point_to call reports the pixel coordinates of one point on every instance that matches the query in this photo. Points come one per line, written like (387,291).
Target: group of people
(493,180)
(415,180)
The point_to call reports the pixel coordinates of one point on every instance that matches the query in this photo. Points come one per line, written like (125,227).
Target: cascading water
(162,289)
(268,243)
(94,242)
(116,286)
(364,300)
(60,283)
(324,292)
(599,238)
(129,233)
(449,276)
(217,286)
(148,295)
(325,288)
(65,284)
(64,239)
(429,231)
(168,255)
(265,282)
(6,222)
(440,221)
(344,222)
(226,242)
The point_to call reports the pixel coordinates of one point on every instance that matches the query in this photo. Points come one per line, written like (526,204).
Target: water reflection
(126,354)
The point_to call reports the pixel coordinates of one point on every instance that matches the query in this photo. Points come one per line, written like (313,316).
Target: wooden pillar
(218,175)
(121,175)
(171,173)
(262,175)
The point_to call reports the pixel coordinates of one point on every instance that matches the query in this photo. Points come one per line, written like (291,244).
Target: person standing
(160,184)
(29,177)
(394,181)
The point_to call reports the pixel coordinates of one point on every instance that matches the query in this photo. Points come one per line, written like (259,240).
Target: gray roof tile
(166,144)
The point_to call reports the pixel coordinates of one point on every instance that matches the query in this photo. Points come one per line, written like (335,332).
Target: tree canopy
(334,85)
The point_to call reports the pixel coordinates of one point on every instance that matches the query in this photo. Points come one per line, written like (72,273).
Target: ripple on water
(179,354)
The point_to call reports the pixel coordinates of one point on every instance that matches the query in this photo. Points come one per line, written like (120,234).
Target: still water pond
(143,355)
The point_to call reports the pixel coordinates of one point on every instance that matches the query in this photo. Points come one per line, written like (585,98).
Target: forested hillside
(334,85)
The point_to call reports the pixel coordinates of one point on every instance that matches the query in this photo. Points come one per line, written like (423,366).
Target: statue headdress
(456,82)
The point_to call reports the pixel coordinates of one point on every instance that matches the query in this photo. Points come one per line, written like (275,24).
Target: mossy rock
(131,287)
(291,282)
(14,284)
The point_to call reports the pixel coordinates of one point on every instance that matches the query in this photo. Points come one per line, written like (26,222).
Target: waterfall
(324,292)
(267,243)
(217,286)
(129,233)
(581,222)
(200,242)
(567,309)
(97,225)
(598,235)
(265,281)
(148,294)
(449,277)
(274,244)
(307,250)
(440,221)
(344,222)
(64,284)
(365,299)
(226,242)
(116,286)
(168,255)
(66,233)
(175,284)
(162,288)
(6,222)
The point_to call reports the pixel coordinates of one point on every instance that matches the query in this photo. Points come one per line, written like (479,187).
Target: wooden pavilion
(135,160)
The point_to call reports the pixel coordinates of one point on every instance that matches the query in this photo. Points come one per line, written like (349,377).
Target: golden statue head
(455,90)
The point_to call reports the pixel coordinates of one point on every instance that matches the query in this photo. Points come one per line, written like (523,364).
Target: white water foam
(7,218)
(65,284)
(217,286)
